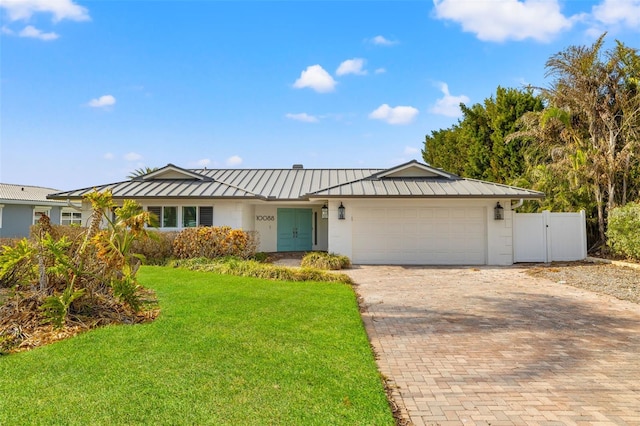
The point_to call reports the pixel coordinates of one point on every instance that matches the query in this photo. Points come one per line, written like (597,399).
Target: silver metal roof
(426,187)
(22,194)
(411,179)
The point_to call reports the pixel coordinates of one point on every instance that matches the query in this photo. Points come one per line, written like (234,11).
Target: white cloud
(395,115)
(108,156)
(351,66)
(102,101)
(316,78)
(60,9)
(506,19)
(614,12)
(6,30)
(380,71)
(303,116)
(132,156)
(448,105)
(204,162)
(382,41)
(410,150)
(32,32)
(234,161)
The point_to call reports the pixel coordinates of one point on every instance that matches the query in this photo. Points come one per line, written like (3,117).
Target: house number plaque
(266,218)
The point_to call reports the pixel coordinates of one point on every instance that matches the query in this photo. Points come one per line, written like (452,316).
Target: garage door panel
(425,235)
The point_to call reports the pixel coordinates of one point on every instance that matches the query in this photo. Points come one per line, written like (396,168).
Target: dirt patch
(617,281)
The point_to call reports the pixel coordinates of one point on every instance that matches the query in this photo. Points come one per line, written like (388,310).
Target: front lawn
(225,350)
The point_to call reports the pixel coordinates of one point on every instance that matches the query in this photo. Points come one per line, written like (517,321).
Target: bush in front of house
(156,247)
(322,260)
(213,242)
(624,230)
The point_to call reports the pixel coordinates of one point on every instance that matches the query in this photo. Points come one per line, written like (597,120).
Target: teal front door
(294,229)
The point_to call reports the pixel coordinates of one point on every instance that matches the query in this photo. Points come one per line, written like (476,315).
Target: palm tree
(594,111)
(141,172)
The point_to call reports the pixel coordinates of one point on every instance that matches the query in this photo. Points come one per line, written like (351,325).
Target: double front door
(294,229)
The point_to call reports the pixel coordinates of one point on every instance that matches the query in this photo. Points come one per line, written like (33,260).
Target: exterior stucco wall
(266,224)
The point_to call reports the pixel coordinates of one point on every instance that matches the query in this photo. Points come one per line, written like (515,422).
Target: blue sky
(92,90)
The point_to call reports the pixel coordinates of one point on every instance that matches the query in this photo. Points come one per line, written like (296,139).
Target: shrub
(8,242)
(254,269)
(72,277)
(261,257)
(214,241)
(322,260)
(624,230)
(156,247)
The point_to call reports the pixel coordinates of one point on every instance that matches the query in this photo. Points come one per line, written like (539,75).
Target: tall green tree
(591,124)
(475,147)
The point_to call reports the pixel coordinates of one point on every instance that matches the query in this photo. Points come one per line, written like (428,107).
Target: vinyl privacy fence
(547,237)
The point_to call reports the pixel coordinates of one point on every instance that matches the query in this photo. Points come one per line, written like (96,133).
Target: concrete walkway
(496,346)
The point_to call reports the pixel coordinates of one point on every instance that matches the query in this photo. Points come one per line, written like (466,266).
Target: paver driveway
(497,346)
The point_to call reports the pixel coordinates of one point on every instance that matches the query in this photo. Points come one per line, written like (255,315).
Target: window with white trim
(39,211)
(186,216)
(1,206)
(70,217)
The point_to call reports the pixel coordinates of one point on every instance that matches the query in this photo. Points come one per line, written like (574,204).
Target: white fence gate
(546,237)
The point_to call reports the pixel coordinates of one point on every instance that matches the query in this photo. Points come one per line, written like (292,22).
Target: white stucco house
(409,214)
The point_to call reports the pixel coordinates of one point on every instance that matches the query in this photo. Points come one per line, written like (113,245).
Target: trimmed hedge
(214,241)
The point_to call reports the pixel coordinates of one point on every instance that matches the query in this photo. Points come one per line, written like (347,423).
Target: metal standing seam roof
(426,187)
(169,188)
(301,184)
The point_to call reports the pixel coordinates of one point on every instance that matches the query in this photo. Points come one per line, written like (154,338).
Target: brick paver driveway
(496,346)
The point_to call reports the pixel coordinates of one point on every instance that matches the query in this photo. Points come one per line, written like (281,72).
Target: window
(38,212)
(186,216)
(71,217)
(189,217)
(167,215)
(1,206)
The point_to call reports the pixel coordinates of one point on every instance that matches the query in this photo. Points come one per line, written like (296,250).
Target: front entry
(294,229)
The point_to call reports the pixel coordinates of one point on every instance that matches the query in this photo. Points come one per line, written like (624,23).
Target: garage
(407,235)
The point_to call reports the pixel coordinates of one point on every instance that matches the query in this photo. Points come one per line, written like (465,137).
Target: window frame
(73,220)
(40,209)
(180,215)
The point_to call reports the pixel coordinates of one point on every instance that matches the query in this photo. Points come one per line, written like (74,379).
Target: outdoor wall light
(498,212)
(341,211)
(325,211)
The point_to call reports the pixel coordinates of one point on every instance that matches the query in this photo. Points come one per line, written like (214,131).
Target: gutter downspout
(518,204)
(73,206)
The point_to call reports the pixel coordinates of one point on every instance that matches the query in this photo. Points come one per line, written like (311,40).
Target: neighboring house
(21,206)
(409,214)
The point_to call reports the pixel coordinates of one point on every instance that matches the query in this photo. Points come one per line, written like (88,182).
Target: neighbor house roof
(25,194)
(412,179)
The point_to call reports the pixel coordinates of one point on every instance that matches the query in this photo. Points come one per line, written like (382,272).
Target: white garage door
(419,236)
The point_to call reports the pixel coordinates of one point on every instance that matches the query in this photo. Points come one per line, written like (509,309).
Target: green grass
(225,350)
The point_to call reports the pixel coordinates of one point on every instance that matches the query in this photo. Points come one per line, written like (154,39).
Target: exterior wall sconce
(498,212)
(341,211)
(325,211)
